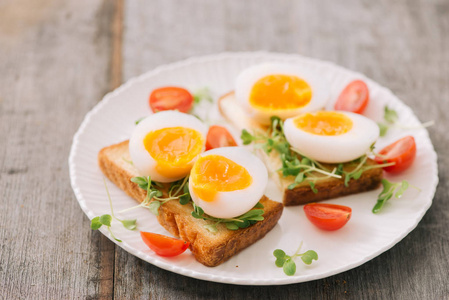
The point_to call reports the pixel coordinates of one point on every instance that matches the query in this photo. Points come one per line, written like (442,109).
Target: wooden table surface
(58,59)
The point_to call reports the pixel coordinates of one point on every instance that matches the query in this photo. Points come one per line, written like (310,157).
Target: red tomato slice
(171,98)
(219,137)
(353,98)
(402,153)
(327,216)
(164,245)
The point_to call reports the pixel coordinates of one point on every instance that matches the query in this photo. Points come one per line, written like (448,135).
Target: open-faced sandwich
(312,154)
(214,200)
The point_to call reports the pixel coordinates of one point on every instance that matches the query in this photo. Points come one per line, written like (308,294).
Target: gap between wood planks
(108,249)
(117,43)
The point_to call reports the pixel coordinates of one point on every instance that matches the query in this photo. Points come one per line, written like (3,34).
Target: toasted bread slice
(327,188)
(210,249)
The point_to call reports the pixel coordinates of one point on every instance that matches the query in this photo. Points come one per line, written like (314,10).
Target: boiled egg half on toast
(331,136)
(227,182)
(281,90)
(165,145)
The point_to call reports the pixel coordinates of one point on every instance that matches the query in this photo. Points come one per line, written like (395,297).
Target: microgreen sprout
(390,119)
(179,190)
(202,94)
(287,262)
(236,223)
(128,161)
(106,219)
(293,162)
(138,120)
(391,189)
(306,169)
(360,167)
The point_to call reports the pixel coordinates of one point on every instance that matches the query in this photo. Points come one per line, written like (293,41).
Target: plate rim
(219,278)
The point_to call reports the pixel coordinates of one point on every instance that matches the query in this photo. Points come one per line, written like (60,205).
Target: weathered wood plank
(57,60)
(402,45)
(54,62)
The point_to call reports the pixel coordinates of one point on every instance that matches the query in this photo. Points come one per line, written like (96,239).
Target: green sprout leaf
(383,128)
(252,213)
(289,267)
(247,138)
(287,262)
(202,94)
(390,115)
(105,220)
(278,253)
(139,120)
(142,182)
(259,205)
(280,257)
(312,186)
(179,190)
(211,227)
(299,178)
(347,179)
(95,223)
(199,210)
(232,226)
(243,221)
(402,189)
(280,261)
(154,207)
(391,118)
(389,189)
(309,256)
(357,174)
(184,199)
(196,215)
(243,224)
(130,224)
(292,186)
(339,170)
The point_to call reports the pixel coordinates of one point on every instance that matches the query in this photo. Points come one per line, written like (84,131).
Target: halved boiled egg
(227,182)
(165,145)
(331,136)
(281,90)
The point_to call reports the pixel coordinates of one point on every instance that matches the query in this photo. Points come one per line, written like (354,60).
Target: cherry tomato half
(327,216)
(219,137)
(164,245)
(353,98)
(171,98)
(402,153)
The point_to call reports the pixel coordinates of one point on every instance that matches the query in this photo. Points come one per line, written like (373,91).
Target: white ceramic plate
(363,238)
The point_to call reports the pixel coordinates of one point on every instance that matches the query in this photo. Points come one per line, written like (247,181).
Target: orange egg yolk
(324,123)
(280,92)
(215,173)
(173,149)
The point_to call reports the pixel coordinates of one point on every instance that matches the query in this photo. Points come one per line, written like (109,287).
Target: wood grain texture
(402,45)
(57,59)
(54,62)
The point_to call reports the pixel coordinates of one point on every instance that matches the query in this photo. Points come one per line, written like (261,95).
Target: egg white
(142,160)
(246,80)
(235,203)
(334,149)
